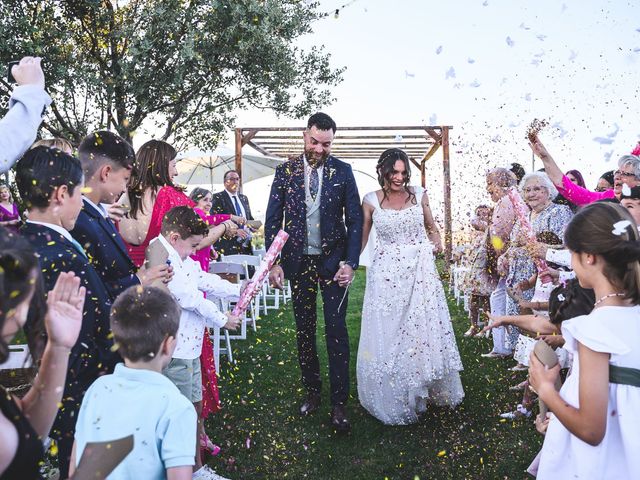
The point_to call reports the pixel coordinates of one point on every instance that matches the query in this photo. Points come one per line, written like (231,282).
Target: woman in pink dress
(150,195)
(202,199)
(9,214)
(628,173)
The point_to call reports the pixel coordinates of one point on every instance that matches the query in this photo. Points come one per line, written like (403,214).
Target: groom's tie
(314,182)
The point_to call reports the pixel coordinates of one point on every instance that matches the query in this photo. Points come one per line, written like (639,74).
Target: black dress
(26,463)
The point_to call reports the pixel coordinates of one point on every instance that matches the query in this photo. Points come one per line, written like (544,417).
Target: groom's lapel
(297,181)
(328,179)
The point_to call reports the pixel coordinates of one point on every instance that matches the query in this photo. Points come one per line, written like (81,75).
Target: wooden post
(238,166)
(448,239)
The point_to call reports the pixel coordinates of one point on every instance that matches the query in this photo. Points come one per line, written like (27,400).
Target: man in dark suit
(230,201)
(107,160)
(50,182)
(314,198)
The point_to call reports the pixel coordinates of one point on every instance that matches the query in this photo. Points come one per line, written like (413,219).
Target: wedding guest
(499,181)
(225,225)
(576,177)
(19,127)
(566,301)
(479,282)
(137,399)
(56,142)
(25,422)
(518,171)
(219,225)
(596,415)
(232,201)
(151,193)
(50,184)
(538,193)
(107,160)
(628,173)
(605,182)
(182,232)
(630,199)
(9,214)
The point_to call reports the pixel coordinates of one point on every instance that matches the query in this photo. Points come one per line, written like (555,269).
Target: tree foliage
(183,65)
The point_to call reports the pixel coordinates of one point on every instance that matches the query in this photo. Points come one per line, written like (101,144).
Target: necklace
(608,296)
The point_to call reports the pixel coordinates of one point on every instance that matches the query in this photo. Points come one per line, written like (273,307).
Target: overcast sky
(486,67)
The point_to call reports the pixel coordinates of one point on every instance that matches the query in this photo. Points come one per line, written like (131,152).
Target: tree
(184,65)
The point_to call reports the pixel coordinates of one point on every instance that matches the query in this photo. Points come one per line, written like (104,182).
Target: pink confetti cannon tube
(522,212)
(255,284)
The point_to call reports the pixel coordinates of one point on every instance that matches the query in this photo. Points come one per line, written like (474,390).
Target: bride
(407,355)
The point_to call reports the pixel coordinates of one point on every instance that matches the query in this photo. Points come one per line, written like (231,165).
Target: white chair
(226,269)
(246,261)
(273,293)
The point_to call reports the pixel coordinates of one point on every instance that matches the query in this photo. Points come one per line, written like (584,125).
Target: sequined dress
(407,355)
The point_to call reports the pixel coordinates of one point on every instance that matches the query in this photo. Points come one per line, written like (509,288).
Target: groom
(314,198)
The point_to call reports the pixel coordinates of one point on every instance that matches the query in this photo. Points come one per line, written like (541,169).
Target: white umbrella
(196,167)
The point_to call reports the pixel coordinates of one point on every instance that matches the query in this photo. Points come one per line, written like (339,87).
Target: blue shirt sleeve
(177,434)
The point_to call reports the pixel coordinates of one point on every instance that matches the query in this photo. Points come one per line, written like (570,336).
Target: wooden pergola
(360,143)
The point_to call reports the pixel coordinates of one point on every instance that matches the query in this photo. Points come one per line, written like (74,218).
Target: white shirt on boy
(188,284)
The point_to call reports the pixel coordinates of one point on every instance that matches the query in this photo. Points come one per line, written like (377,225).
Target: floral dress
(553,219)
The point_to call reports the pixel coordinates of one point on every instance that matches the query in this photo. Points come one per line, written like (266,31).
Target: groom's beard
(314,159)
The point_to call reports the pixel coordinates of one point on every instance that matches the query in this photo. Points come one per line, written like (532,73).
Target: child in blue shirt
(137,399)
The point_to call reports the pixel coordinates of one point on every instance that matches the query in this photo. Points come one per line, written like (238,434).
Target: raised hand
(65,304)
(28,72)
(539,149)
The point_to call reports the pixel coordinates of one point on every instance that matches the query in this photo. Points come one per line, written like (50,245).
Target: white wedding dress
(407,355)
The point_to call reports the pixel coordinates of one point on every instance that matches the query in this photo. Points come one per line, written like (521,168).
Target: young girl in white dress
(407,355)
(594,430)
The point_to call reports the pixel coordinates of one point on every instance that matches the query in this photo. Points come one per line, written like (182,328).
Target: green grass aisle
(262,436)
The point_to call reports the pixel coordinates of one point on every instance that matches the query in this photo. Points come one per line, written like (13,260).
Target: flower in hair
(561,297)
(626,190)
(620,227)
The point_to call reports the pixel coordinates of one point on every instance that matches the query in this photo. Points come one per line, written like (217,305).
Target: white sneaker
(519,412)
(206,473)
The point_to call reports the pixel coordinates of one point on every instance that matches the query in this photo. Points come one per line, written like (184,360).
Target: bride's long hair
(384,169)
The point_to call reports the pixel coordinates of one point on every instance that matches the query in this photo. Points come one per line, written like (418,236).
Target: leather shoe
(311,404)
(339,418)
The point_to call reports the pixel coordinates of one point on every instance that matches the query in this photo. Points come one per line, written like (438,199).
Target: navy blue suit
(221,204)
(105,248)
(341,240)
(92,354)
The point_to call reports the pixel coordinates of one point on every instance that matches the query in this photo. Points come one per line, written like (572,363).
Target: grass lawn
(262,436)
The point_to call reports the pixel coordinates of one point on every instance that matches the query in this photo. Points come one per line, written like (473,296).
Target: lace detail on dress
(407,354)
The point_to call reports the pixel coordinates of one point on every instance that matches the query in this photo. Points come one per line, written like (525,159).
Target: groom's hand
(344,275)
(276,277)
